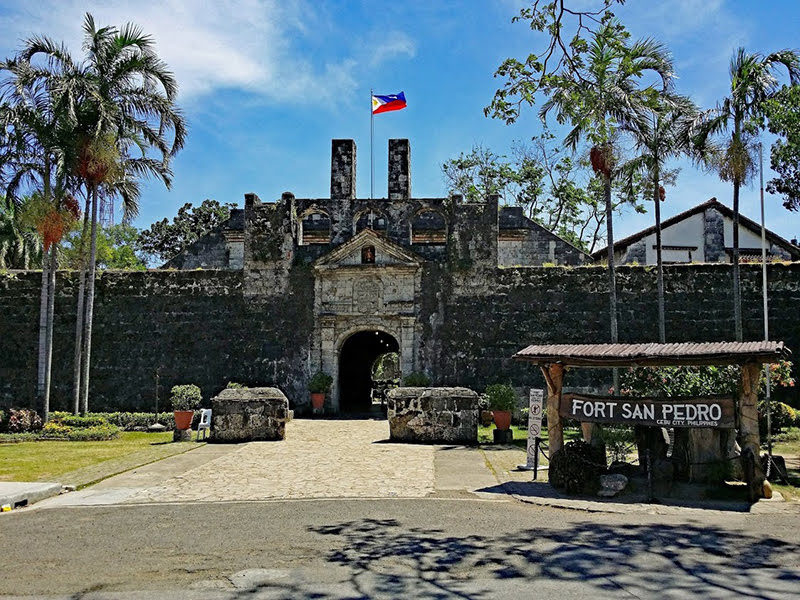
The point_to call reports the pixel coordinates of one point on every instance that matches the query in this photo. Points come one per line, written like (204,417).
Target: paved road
(339,513)
(393,549)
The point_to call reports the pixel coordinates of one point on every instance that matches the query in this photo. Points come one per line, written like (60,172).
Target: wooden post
(554,376)
(749,440)
(589,431)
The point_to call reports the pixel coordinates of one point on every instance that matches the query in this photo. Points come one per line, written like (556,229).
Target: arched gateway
(364,308)
(357,359)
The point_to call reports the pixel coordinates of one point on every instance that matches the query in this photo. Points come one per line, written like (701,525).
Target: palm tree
(662,134)
(753,82)
(20,247)
(129,106)
(601,96)
(37,123)
(124,111)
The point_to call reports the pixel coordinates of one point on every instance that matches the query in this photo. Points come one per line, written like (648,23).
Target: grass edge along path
(80,464)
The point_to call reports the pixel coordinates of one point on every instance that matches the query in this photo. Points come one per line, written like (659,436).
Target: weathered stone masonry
(203,327)
(430,277)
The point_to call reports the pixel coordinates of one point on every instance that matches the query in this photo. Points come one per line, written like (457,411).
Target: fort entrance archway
(356,359)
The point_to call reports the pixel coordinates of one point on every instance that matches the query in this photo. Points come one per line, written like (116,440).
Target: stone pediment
(386,253)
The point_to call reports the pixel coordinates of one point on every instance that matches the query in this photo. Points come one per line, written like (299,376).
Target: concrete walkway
(322,459)
(318,459)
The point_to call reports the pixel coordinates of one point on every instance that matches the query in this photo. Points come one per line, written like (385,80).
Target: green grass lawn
(485,435)
(41,461)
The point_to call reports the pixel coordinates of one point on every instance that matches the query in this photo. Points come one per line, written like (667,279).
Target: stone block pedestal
(249,414)
(182,435)
(433,415)
(503,436)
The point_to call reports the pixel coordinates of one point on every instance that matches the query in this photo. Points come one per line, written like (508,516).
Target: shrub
(320,383)
(87,421)
(94,434)
(2,420)
(501,397)
(232,385)
(23,420)
(186,397)
(577,468)
(416,379)
(617,440)
(128,421)
(783,416)
(697,381)
(57,430)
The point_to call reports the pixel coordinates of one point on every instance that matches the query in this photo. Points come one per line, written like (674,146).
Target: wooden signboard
(707,411)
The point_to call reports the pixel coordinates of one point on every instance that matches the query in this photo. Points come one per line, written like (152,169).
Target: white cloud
(250,45)
(391,45)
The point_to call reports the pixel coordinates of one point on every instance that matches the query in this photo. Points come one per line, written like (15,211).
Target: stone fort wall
(205,327)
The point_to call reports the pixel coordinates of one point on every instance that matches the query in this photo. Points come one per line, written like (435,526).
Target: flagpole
(371,152)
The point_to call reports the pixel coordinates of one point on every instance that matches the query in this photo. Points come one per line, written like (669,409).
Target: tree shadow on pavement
(385,558)
(644,560)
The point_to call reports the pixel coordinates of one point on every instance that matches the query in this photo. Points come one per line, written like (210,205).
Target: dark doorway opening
(356,360)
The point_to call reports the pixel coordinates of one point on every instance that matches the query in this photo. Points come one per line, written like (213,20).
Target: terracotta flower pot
(317,400)
(502,419)
(183,419)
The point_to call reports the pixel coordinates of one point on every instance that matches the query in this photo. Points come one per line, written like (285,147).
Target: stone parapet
(433,415)
(249,414)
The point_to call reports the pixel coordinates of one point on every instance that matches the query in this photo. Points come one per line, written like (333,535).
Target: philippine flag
(382,104)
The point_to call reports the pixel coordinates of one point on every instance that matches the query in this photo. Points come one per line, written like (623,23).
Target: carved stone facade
(368,259)
(353,296)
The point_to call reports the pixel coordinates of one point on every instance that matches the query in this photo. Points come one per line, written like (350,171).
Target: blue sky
(265,85)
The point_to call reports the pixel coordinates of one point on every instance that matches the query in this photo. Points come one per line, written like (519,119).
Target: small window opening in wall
(371,220)
(368,255)
(315,229)
(428,227)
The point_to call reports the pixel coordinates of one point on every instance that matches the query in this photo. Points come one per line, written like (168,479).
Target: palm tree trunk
(737,290)
(51,302)
(79,319)
(87,335)
(662,335)
(612,275)
(42,354)
(42,392)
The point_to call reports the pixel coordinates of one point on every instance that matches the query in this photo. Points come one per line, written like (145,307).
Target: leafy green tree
(164,240)
(568,25)
(753,84)
(783,119)
(663,135)
(117,248)
(482,173)
(543,181)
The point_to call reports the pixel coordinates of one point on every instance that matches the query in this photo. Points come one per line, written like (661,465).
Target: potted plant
(185,400)
(502,401)
(319,385)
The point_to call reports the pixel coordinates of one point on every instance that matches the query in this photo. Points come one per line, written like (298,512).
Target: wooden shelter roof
(654,354)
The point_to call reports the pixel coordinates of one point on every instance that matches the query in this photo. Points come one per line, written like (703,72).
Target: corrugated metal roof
(655,354)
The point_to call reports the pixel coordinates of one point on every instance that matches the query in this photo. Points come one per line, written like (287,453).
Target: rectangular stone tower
(343,169)
(399,170)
